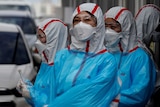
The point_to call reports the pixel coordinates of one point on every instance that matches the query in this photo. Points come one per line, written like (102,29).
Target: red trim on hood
(87,47)
(45,26)
(68,47)
(94,9)
(149,5)
(102,51)
(45,56)
(133,49)
(78,9)
(116,100)
(120,47)
(51,63)
(119,13)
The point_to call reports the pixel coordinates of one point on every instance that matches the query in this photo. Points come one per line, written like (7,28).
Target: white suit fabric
(42,91)
(147,20)
(136,69)
(85,73)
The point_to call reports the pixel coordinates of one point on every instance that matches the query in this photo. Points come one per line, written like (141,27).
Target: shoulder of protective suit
(140,52)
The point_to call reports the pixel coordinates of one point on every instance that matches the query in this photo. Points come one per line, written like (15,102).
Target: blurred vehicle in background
(14,56)
(28,26)
(17,5)
(24,20)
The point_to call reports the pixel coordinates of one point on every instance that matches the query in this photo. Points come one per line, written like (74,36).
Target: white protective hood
(96,42)
(147,20)
(128,26)
(56,36)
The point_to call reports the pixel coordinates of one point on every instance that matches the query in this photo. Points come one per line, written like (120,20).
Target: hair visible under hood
(56,36)
(128,26)
(147,20)
(95,44)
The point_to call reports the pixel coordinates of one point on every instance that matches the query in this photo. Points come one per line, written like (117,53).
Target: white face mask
(40,46)
(112,38)
(83,31)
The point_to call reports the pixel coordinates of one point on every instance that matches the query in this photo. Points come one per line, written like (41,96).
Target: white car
(14,56)
(24,20)
(28,26)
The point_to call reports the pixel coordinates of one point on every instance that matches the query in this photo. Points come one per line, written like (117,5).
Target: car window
(27,24)
(14,50)
(15,7)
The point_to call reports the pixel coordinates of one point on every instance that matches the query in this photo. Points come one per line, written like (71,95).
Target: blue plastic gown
(42,92)
(79,80)
(138,74)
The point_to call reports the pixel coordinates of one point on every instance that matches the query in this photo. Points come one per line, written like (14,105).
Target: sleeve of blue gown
(98,92)
(143,75)
(42,92)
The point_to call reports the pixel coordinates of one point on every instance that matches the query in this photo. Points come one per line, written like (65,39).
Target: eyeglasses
(84,18)
(113,26)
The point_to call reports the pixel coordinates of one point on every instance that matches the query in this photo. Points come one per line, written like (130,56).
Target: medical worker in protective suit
(148,30)
(135,67)
(85,73)
(147,20)
(52,35)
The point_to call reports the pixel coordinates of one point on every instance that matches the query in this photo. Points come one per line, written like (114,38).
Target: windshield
(27,24)
(14,50)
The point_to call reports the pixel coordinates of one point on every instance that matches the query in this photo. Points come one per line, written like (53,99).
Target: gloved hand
(22,88)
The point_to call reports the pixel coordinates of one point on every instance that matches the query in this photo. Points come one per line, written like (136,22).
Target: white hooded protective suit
(42,91)
(85,74)
(147,20)
(54,42)
(136,69)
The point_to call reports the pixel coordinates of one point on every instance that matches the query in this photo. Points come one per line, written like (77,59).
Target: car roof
(6,27)
(15,13)
(22,3)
